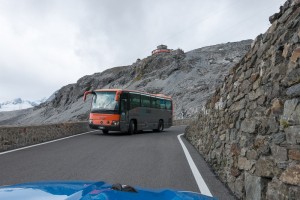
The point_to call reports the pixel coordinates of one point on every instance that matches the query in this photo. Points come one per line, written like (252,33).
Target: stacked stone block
(12,137)
(249,131)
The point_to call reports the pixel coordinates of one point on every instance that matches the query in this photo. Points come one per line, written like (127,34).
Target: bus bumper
(102,127)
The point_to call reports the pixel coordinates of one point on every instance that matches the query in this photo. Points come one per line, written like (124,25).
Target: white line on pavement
(199,180)
(27,147)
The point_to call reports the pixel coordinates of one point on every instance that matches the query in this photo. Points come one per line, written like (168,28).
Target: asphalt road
(152,160)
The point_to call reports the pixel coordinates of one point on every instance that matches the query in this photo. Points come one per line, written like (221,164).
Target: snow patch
(19,104)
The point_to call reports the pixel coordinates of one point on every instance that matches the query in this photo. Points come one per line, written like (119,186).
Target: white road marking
(199,180)
(27,147)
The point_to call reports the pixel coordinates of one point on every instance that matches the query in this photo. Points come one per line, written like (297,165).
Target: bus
(129,111)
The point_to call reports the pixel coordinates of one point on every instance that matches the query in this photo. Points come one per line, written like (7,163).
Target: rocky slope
(249,131)
(190,78)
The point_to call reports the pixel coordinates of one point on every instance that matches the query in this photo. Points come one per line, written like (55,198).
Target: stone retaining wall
(178,122)
(12,137)
(250,130)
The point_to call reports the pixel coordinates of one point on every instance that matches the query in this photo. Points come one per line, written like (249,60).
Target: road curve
(152,160)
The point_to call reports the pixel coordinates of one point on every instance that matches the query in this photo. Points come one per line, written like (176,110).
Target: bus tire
(105,132)
(160,126)
(132,127)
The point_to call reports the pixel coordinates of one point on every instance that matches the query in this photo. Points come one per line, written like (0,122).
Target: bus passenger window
(168,105)
(135,101)
(152,102)
(145,101)
(162,103)
(155,103)
(123,105)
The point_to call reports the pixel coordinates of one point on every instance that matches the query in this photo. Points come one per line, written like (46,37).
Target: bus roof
(133,91)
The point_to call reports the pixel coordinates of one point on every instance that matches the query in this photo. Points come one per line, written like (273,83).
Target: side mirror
(117,97)
(86,93)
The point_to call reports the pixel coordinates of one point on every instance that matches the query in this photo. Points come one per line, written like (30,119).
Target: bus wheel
(105,132)
(132,127)
(160,126)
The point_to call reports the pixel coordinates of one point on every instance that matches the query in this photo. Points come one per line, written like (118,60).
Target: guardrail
(12,137)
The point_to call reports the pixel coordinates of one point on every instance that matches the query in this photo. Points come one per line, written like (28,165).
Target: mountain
(18,104)
(189,77)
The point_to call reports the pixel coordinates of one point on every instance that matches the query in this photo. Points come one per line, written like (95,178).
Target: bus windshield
(104,102)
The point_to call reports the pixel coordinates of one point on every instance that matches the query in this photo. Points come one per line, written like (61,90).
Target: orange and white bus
(129,111)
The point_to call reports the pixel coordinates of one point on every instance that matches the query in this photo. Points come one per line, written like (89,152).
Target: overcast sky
(46,44)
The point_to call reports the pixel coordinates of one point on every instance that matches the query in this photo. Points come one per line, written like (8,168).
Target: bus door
(124,118)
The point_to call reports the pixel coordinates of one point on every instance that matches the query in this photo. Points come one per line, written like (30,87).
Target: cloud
(47,44)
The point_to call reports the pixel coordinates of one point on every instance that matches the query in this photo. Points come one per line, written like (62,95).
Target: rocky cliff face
(190,78)
(250,129)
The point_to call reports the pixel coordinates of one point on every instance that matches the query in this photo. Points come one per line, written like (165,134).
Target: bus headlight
(115,123)
(90,121)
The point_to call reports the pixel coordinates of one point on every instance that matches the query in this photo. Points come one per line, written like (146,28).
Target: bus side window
(124,102)
(162,103)
(157,103)
(152,102)
(135,100)
(145,101)
(123,105)
(168,105)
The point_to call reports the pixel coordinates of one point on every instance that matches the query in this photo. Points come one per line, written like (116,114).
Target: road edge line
(51,141)
(199,180)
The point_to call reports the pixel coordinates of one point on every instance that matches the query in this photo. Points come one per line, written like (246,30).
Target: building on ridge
(161,49)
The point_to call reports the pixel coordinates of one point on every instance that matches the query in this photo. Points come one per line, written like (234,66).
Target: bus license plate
(101,127)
